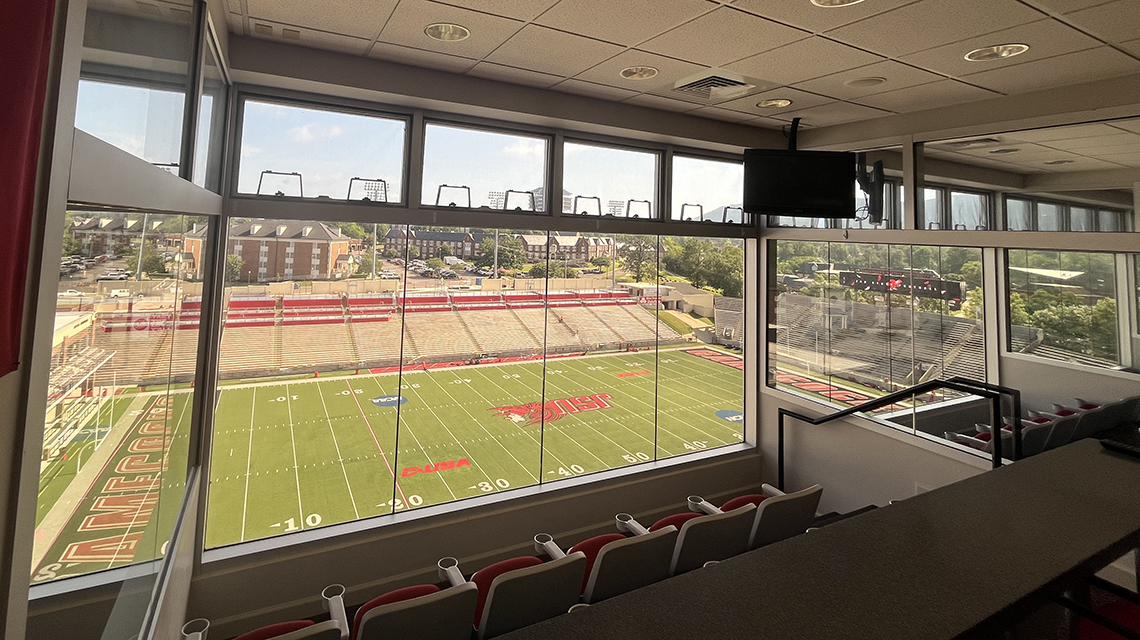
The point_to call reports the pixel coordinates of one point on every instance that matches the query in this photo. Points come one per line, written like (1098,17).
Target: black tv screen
(815,184)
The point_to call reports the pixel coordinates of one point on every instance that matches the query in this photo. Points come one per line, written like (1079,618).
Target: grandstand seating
(558,335)
(320,346)
(249,350)
(497,331)
(378,343)
(440,334)
(584,324)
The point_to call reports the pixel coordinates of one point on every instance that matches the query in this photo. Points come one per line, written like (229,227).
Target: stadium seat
(617,564)
(521,591)
(740,501)
(334,629)
(676,520)
(1063,429)
(707,538)
(1107,416)
(422,611)
(784,515)
(1121,611)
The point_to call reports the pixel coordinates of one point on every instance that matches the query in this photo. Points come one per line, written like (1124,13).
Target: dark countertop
(965,560)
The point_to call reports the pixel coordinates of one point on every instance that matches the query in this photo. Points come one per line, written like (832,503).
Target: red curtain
(25,46)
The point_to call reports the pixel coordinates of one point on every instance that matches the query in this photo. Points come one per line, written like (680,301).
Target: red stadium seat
(1122,611)
(740,501)
(399,595)
(523,591)
(485,576)
(591,547)
(275,630)
(677,520)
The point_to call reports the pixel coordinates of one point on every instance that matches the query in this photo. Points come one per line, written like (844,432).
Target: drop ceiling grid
(692,15)
(1084,150)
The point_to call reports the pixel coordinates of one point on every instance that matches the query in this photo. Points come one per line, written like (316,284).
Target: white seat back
(443,615)
(523,597)
(714,537)
(784,516)
(1033,437)
(625,565)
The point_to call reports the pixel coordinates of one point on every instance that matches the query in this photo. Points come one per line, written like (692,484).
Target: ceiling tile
(335,17)
(1131,46)
(1127,125)
(800,100)
(723,36)
(716,113)
(926,96)
(808,16)
(769,123)
(1127,159)
(549,51)
(897,76)
(1116,21)
(1065,6)
(316,39)
(627,22)
(517,9)
(834,113)
(1066,133)
(516,76)
(584,88)
(1098,142)
(237,24)
(657,102)
(420,58)
(1072,68)
(669,71)
(1046,38)
(406,27)
(803,60)
(932,23)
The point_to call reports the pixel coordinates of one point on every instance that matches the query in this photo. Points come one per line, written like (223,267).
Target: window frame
(660,200)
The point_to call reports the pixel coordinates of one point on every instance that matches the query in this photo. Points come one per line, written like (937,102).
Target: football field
(307,453)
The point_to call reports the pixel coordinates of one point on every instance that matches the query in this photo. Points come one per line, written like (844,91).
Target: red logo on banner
(551,410)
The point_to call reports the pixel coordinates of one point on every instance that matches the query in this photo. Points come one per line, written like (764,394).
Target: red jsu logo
(551,410)
(446,465)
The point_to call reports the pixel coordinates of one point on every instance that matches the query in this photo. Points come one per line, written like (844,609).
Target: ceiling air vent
(715,85)
(975,143)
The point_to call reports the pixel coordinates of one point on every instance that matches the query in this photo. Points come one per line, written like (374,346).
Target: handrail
(991,391)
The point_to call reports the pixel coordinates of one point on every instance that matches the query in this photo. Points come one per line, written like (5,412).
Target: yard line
(248,459)
(470,457)
(523,429)
(504,448)
(340,458)
(618,422)
(378,447)
(293,442)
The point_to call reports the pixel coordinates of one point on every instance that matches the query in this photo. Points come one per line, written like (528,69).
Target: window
(969,211)
(211,122)
(119,404)
(1110,220)
(932,207)
(1082,219)
(1050,216)
(1018,215)
(707,190)
(609,181)
(143,121)
(469,168)
(1062,305)
(412,376)
(289,150)
(852,322)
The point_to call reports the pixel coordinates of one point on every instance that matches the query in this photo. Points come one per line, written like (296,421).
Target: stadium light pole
(495,273)
(374,225)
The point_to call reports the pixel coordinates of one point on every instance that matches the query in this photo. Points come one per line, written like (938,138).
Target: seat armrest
(334,604)
(770,491)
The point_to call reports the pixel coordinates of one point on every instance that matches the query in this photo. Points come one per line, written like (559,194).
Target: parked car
(448,274)
(70,293)
(119,293)
(113,275)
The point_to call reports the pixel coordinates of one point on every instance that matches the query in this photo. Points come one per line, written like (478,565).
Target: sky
(329,148)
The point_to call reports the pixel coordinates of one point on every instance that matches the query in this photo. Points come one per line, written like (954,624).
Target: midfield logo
(551,410)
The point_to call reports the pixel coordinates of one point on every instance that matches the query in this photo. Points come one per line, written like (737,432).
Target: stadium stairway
(586,325)
(537,341)
(461,317)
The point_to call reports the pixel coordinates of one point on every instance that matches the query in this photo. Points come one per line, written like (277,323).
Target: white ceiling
(1086,147)
(797,50)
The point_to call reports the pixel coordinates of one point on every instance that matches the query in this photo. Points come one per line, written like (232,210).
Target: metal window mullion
(665,184)
(992,311)
(1124,309)
(415,160)
(554,175)
(193,94)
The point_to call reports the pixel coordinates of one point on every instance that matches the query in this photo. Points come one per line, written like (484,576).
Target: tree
(354,230)
(234,263)
(435,263)
(71,246)
(511,253)
(639,257)
(600,261)
(364,264)
(444,250)
(413,252)
(974,304)
(971,273)
(555,270)
(152,262)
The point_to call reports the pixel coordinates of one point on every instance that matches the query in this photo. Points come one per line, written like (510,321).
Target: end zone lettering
(551,410)
(446,465)
(718,356)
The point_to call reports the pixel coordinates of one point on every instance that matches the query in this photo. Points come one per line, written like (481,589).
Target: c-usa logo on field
(389,401)
(731,415)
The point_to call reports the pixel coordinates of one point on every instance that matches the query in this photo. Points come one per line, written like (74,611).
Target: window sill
(1072,366)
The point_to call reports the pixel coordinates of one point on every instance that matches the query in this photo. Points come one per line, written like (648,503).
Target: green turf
(294,454)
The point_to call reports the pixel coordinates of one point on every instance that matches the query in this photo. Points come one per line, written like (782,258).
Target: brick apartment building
(282,250)
(461,244)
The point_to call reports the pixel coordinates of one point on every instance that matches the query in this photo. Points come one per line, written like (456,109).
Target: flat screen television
(814,184)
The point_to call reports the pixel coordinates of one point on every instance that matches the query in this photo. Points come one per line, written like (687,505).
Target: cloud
(312,132)
(249,150)
(523,148)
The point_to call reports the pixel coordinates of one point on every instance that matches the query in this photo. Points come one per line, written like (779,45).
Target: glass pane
(1049,216)
(1018,215)
(1109,221)
(969,211)
(1062,305)
(707,190)
(119,392)
(608,181)
(700,345)
(211,124)
(297,151)
(469,168)
(1082,219)
(862,221)
(932,208)
(129,96)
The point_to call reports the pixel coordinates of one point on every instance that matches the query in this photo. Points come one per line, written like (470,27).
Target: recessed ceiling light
(447,32)
(639,73)
(828,4)
(1003,151)
(775,103)
(996,52)
(859,83)
(1055,162)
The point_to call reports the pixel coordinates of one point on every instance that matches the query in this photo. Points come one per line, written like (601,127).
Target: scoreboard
(917,283)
